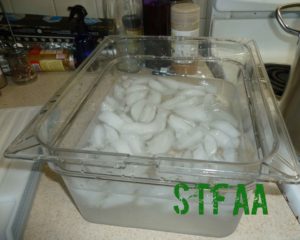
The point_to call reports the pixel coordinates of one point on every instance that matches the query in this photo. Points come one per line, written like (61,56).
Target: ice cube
(162,142)
(155,85)
(148,113)
(119,92)
(135,97)
(210,145)
(147,136)
(172,103)
(179,124)
(200,153)
(154,97)
(221,138)
(137,109)
(235,142)
(193,113)
(141,80)
(111,119)
(111,104)
(209,87)
(226,127)
(174,84)
(193,92)
(209,100)
(230,154)
(191,138)
(157,125)
(126,118)
(126,82)
(136,87)
(121,146)
(98,136)
(226,116)
(135,143)
(111,134)
(192,101)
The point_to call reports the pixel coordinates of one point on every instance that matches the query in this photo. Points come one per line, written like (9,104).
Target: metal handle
(280,18)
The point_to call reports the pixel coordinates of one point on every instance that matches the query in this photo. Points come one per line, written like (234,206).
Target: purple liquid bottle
(156,17)
(157,22)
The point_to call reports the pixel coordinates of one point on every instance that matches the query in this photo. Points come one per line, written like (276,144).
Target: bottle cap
(185,16)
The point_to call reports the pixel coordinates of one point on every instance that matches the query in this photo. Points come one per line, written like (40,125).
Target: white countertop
(54,216)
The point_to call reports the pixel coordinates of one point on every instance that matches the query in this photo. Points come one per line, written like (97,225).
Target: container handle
(278,15)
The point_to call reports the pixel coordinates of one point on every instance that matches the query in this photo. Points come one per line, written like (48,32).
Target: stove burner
(279,75)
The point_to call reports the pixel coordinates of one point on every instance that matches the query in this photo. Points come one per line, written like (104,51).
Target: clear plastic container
(137,190)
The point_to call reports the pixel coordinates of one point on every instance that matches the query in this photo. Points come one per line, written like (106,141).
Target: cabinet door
(61,7)
(42,7)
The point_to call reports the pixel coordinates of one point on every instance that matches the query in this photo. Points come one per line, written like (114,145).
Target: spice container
(21,70)
(53,60)
(82,135)
(185,19)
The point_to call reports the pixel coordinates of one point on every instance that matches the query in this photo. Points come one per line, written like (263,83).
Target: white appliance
(254,19)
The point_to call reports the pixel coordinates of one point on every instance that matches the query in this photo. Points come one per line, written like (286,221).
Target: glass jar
(132,17)
(4,65)
(3,81)
(185,22)
(21,70)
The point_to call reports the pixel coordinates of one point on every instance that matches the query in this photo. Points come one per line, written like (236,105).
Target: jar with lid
(21,70)
(132,17)
(132,26)
(185,22)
